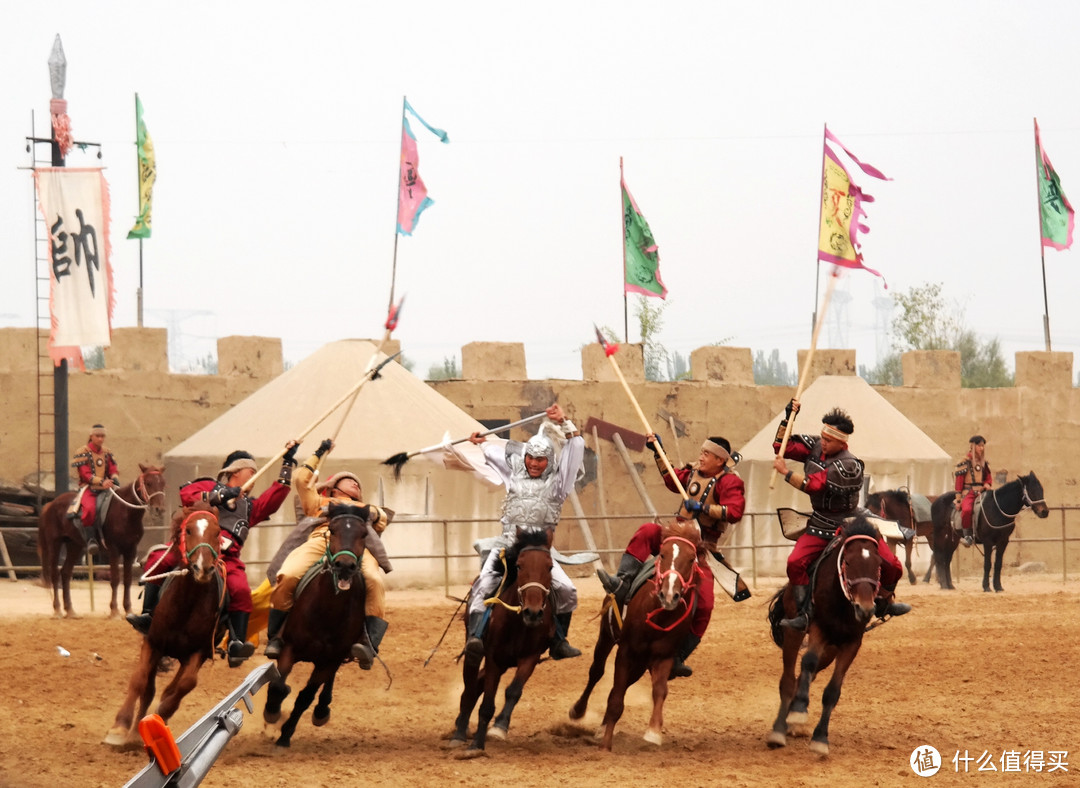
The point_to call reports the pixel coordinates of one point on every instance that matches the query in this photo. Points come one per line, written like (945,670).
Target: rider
(972,478)
(97,471)
(237,515)
(343,487)
(717,498)
(536,486)
(833,478)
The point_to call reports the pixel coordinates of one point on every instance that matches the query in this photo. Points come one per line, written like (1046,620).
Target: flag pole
(821,211)
(138,190)
(1042,246)
(622,223)
(397,213)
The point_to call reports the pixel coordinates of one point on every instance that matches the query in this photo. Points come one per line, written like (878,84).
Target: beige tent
(896,453)
(395,413)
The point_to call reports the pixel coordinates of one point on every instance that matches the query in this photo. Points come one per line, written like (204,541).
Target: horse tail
(776,615)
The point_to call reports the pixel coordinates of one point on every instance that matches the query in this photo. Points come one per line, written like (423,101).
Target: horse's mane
(860,526)
(900,496)
(527,537)
(685,529)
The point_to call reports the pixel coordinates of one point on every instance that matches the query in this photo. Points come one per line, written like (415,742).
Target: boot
(620,584)
(90,537)
(273,632)
(801,620)
(680,669)
(376,629)
(363,654)
(239,647)
(886,604)
(151,595)
(474,646)
(559,647)
(966,539)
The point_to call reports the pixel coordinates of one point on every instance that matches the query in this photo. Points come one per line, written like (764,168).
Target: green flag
(147,174)
(1055,212)
(641,258)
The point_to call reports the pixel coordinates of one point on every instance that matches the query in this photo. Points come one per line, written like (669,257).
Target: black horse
(994,526)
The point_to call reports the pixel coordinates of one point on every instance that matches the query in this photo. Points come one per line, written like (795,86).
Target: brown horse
(517,634)
(184,624)
(326,620)
(657,621)
(896,505)
(847,579)
(122,530)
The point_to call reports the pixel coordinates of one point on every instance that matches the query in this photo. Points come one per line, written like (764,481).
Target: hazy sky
(277,129)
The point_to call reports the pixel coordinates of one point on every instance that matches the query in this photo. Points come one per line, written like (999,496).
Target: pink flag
(412,194)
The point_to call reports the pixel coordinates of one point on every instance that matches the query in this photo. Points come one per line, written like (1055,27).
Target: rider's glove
(654,444)
(692,506)
(324,447)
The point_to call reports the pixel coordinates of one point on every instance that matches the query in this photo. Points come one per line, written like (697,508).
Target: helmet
(539,446)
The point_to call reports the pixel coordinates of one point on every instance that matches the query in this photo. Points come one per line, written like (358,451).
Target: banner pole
(397,213)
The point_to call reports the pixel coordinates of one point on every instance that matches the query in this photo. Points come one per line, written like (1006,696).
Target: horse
(184,625)
(896,505)
(994,525)
(122,530)
(522,622)
(847,579)
(326,619)
(657,620)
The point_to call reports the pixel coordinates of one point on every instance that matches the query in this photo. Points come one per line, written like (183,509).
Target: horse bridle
(845,584)
(332,557)
(183,540)
(496,598)
(136,486)
(688,582)
(1025,503)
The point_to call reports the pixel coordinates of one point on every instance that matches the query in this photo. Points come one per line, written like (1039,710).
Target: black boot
(90,537)
(801,620)
(151,595)
(620,584)
(273,632)
(560,647)
(474,645)
(239,647)
(886,605)
(680,669)
(376,629)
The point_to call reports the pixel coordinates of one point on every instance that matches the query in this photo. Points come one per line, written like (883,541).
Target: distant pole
(397,213)
(1042,246)
(61,453)
(821,211)
(138,190)
(622,222)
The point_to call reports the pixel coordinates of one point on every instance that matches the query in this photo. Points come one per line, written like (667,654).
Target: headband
(834,433)
(717,449)
(237,465)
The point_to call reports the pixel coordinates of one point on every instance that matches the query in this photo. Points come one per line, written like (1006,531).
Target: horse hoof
(819,747)
(499,734)
(318,721)
(469,754)
(283,742)
(454,744)
(116,737)
(776,740)
(797,718)
(653,737)
(271,717)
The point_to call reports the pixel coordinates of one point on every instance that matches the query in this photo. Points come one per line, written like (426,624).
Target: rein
(1025,503)
(845,584)
(496,599)
(329,558)
(690,583)
(145,497)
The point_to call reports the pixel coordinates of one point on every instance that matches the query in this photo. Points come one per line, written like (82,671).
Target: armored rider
(97,471)
(973,476)
(342,487)
(536,484)
(833,478)
(717,499)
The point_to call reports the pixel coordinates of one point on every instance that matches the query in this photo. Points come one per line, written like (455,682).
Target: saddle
(793,523)
(957,519)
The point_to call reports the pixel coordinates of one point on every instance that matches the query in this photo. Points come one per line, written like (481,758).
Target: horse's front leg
(470,693)
(129,560)
(141,681)
(792,643)
(492,674)
(277,691)
(604,644)
(797,712)
(320,674)
(187,676)
(628,669)
(525,667)
(114,582)
(987,550)
(908,545)
(819,743)
(71,555)
(659,672)
(999,556)
(321,715)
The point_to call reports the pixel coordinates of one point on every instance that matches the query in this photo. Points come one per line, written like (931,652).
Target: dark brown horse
(521,624)
(326,620)
(896,505)
(995,524)
(657,621)
(122,530)
(184,624)
(847,579)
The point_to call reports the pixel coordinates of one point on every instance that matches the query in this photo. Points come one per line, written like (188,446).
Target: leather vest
(839,498)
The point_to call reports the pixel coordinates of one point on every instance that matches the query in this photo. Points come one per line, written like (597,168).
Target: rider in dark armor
(832,477)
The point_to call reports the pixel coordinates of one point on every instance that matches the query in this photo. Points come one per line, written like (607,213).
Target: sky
(277,132)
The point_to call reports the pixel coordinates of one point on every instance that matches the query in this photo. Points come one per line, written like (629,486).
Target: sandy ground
(964,671)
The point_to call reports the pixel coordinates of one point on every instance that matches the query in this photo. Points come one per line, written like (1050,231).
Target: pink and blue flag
(413,197)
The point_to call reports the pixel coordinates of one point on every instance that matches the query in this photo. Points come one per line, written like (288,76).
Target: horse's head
(1033,495)
(150,486)
(198,537)
(348,530)
(676,565)
(859,567)
(891,505)
(530,556)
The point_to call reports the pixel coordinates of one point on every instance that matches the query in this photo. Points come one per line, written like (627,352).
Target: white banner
(75,205)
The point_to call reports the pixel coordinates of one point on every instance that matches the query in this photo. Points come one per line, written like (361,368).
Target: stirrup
(966,540)
(363,655)
(141,623)
(800,622)
(92,547)
(563,650)
(680,670)
(273,648)
(474,648)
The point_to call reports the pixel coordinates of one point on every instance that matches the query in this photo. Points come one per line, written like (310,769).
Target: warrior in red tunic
(716,499)
(972,478)
(97,471)
(833,478)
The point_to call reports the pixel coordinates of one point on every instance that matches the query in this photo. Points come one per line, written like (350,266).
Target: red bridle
(186,554)
(689,585)
(847,585)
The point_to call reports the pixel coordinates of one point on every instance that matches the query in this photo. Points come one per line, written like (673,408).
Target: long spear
(370,373)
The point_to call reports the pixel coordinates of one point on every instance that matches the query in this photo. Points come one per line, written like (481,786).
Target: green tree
(650,316)
(447,370)
(771,371)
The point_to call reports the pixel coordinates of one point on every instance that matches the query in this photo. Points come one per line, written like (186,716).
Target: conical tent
(895,451)
(394,413)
